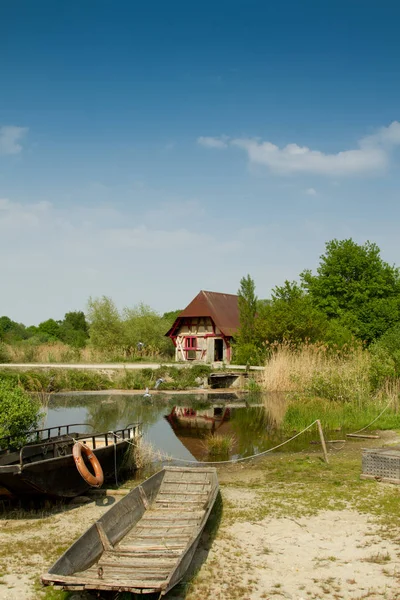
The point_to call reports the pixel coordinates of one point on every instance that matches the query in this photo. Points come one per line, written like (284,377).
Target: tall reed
(317,370)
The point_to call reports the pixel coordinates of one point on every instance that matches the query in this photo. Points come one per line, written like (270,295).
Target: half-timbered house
(204,330)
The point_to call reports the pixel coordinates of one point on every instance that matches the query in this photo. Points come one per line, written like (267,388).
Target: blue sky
(148,151)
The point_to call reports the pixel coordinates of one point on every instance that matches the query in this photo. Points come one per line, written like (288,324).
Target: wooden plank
(113,571)
(146,552)
(189,481)
(178,501)
(187,511)
(147,526)
(103,536)
(143,497)
(89,582)
(166,536)
(149,547)
(181,493)
(208,470)
(363,436)
(142,562)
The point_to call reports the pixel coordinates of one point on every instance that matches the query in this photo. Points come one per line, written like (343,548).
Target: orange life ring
(95,480)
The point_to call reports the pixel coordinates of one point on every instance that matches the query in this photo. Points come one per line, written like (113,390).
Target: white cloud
(311,192)
(385,136)
(59,256)
(300,159)
(213,142)
(10,136)
(371,156)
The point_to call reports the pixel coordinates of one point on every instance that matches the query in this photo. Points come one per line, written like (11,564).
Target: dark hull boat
(47,467)
(144,543)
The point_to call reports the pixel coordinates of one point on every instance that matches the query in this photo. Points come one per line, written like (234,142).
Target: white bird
(146,393)
(158,382)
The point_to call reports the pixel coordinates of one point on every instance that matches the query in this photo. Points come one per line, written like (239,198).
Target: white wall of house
(202,330)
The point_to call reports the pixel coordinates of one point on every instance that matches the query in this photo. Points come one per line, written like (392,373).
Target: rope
(224,462)
(378,417)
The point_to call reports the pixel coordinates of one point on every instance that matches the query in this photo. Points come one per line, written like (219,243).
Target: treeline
(103,333)
(352,299)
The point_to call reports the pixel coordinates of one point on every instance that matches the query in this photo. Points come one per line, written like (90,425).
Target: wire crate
(382,464)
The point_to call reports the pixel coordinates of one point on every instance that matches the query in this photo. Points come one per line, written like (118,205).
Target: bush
(382,366)
(4,354)
(247,354)
(19,412)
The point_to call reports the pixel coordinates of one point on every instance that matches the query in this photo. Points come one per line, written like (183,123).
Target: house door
(218,350)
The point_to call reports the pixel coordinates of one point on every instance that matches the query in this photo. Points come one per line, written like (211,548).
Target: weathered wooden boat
(144,543)
(46,465)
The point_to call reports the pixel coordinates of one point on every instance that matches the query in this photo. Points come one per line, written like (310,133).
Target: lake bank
(288,526)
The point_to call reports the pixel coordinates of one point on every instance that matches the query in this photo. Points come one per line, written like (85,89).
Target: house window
(190,348)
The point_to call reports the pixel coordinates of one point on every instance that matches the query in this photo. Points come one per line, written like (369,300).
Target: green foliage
(50,329)
(143,325)
(383,366)
(246,349)
(355,285)
(4,354)
(75,329)
(10,331)
(247,354)
(247,300)
(106,332)
(18,412)
(302,411)
(291,315)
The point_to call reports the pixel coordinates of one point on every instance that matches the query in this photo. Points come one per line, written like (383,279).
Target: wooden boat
(45,466)
(144,543)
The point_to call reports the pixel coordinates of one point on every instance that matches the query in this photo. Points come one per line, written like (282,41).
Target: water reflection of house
(204,330)
(191,425)
(206,420)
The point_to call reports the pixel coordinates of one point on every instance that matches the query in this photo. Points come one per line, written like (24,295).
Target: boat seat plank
(182,494)
(168,525)
(113,572)
(154,550)
(188,484)
(154,515)
(128,559)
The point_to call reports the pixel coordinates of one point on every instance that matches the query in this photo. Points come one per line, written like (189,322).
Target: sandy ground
(332,555)
(46,538)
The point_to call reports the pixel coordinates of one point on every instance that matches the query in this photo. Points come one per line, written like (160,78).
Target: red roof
(223,309)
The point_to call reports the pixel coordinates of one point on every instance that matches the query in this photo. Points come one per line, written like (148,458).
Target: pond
(176,424)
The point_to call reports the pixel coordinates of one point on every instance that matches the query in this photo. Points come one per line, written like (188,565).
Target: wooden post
(321,435)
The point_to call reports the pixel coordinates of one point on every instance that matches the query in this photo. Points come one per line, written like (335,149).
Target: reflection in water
(176,424)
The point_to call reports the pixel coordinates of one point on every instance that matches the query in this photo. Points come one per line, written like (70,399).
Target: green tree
(247,301)
(75,329)
(51,329)
(353,284)
(142,324)
(246,350)
(10,331)
(291,316)
(106,330)
(19,412)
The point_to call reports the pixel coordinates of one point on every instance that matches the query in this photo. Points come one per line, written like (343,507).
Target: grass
(218,445)
(301,411)
(57,380)
(335,387)
(303,485)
